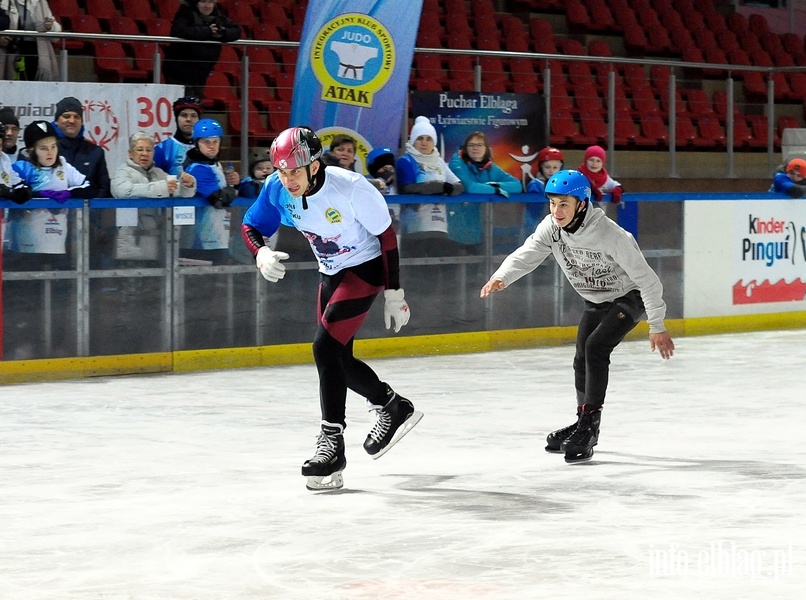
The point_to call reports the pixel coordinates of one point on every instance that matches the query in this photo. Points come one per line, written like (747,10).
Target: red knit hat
(595,151)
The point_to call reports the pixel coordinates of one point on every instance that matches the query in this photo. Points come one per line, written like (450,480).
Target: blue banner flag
(353,71)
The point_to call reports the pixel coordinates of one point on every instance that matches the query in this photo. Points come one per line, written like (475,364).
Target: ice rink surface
(187,486)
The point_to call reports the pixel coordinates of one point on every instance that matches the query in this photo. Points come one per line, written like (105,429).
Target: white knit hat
(422,126)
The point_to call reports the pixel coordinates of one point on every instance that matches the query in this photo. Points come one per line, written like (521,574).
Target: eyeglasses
(477,145)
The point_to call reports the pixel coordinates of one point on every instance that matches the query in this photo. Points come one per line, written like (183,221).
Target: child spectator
(592,167)
(422,171)
(211,233)
(789,179)
(260,167)
(381,167)
(44,231)
(549,161)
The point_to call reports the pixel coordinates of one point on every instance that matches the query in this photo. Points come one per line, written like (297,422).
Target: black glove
(20,194)
(447,188)
(222,198)
(6,192)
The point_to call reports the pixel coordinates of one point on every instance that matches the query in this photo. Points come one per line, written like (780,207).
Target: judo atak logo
(353,56)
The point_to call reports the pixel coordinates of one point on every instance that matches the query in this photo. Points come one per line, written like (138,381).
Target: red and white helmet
(549,153)
(295,147)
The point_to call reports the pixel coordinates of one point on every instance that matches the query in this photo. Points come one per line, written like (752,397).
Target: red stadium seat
(101,9)
(256,129)
(653,128)
(112,63)
(123,26)
(711,131)
(278,115)
(218,92)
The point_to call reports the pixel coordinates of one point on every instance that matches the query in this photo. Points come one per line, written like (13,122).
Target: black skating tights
(601,329)
(344,301)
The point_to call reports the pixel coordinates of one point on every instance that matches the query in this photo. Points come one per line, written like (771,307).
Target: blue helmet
(569,183)
(207,128)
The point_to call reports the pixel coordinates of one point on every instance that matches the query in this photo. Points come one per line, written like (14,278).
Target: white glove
(268,261)
(395,307)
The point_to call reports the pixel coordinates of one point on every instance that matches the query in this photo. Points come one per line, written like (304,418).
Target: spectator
(473,165)
(549,161)
(211,233)
(190,64)
(789,179)
(341,153)
(139,177)
(11,132)
(90,160)
(12,186)
(592,167)
(381,167)
(49,175)
(422,171)
(169,154)
(260,167)
(29,58)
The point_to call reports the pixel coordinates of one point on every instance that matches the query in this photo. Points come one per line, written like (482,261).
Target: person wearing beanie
(421,170)
(49,175)
(11,131)
(190,64)
(790,178)
(473,165)
(381,168)
(169,154)
(90,160)
(601,183)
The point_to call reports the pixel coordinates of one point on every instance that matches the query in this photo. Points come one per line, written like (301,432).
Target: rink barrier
(379,346)
(394,347)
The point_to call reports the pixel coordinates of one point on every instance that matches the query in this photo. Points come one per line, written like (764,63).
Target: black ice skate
(394,420)
(555,439)
(579,446)
(324,469)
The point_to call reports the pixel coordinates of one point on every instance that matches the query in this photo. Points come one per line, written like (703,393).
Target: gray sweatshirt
(601,260)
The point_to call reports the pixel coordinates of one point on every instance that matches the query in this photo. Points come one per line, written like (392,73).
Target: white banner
(111,112)
(744,257)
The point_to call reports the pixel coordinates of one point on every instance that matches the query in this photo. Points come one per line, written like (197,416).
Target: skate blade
(407,426)
(574,460)
(325,483)
(551,450)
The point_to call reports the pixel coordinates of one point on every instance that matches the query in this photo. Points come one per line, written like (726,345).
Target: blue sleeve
(25,169)
(507,181)
(468,179)
(407,169)
(206,179)
(160,159)
(265,214)
(536,187)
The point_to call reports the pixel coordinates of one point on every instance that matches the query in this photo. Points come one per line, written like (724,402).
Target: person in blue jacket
(473,165)
(211,233)
(790,179)
(169,154)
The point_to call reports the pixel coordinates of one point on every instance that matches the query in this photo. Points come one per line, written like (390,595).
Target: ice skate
(394,420)
(555,439)
(579,446)
(323,470)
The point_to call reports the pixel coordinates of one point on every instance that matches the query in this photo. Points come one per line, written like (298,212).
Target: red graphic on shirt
(764,292)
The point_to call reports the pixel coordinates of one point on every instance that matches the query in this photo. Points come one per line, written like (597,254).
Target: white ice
(187,486)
